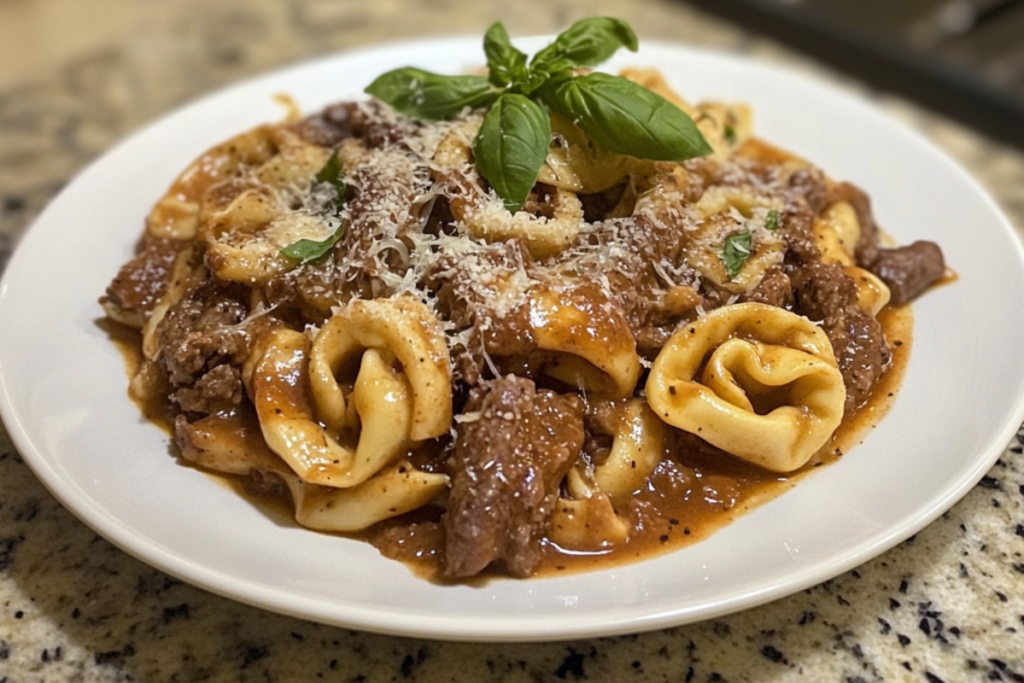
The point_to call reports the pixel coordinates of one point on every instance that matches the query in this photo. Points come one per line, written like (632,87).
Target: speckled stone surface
(946,605)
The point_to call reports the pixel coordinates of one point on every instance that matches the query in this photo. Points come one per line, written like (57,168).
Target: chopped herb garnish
(730,134)
(771,221)
(735,252)
(331,173)
(614,112)
(311,250)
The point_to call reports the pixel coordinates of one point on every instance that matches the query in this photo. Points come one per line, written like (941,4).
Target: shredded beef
(825,292)
(506,472)
(333,124)
(909,270)
(220,388)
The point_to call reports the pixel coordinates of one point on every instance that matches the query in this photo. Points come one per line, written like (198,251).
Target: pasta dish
(354,312)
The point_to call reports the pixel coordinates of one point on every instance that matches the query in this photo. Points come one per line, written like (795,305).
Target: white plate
(62,383)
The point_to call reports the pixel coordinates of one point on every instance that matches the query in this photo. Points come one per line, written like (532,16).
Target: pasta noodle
(340,311)
(770,391)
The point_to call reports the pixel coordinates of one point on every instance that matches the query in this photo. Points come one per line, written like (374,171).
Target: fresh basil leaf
(505,63)
(771,221)
(588,42)
(511,147)
(424,95)
(735,252)
(626,118)
(311,250)
(331,173)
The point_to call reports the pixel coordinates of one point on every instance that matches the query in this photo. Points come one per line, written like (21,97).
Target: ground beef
(908,271)
(506,472)
(200,333)
(824,292)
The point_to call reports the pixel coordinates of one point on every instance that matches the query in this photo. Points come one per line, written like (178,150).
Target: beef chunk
(824,292)
(775,289)
(507,469)
(332,125)
(798,230)
(810,184)
(200,333)
(909,270)
(141,282)
(218,389)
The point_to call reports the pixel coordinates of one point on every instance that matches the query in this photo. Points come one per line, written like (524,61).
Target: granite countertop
(946,605)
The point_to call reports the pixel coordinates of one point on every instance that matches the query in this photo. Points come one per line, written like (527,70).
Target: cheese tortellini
(756,381)
(590,346)
(394,363)
(599,493)
(485,217)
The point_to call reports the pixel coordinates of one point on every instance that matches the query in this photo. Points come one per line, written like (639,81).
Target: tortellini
(485,217)
(224,443)
(590,343)
(836,233)
(400,390)
(245,234)
(756,381)
(177,214)
(599,494)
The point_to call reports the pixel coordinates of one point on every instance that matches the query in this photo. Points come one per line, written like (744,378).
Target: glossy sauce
(687,498)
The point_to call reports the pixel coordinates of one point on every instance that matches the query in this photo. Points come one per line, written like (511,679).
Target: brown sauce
(687,498)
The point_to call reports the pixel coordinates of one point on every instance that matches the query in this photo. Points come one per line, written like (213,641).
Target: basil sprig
(424,95)
(512,145)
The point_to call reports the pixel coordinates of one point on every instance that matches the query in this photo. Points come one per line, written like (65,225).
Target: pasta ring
(395,490)
(770,391)
(590,519)
(595,349)
(277,377)
(486,217)
(401,328)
